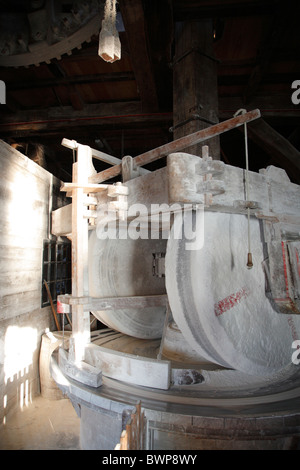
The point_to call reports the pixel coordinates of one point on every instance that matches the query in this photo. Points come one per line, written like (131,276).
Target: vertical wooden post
(80,318)
(195,86)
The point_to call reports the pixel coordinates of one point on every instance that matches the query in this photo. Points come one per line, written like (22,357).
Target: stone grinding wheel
(220,305)
(120,268)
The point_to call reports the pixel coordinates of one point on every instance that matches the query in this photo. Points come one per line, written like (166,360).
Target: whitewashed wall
(28,193)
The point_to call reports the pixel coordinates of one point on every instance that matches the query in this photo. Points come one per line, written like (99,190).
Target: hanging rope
(249,257)
(109,41)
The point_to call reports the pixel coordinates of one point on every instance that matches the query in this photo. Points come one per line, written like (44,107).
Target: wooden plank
(62,221)
(75,80)
(277,146)
(63,118)
(178,145)
(189,10)
(87,188)
(52,306)
(81,371)
(80,317)
(104,157)
(278,107)
(129,368)
(132,436)
(11,160)
(109,303)
(152,183)
(17,304)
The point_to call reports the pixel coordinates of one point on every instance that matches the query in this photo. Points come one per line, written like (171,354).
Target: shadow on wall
(20,346)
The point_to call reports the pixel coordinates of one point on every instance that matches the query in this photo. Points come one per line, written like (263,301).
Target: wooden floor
(43,425)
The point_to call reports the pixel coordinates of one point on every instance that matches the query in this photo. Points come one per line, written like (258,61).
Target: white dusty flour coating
(225,313)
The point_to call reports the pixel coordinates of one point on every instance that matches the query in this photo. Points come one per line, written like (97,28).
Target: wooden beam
(76,98)
(111,303)
(80,317)
(195,83)
(278,107)
(160,27)
(178,145)
(129,114)
(62,118)
(191,10)
(280,26)
(135,26)
(75,80)
(277,146)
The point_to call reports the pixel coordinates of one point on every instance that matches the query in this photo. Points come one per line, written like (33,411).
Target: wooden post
(80,318)
(195,86)
(132,438)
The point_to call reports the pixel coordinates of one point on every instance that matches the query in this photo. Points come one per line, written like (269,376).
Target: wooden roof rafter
(135,27)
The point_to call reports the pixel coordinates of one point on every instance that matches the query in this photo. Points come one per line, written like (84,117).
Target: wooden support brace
(87,188)
(80,316)
(132,436)
(178,145)
(109,303)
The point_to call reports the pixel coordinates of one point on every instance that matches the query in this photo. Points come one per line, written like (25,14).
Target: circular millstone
(124,268)
(221,306)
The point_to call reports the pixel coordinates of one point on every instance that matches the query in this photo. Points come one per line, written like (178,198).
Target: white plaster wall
(27,194)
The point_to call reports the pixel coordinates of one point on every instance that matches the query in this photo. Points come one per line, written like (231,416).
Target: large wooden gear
(44,30)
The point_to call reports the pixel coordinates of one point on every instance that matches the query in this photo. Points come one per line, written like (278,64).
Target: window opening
(57,270)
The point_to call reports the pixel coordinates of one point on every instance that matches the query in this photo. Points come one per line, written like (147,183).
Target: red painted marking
(230,301)
(59,307)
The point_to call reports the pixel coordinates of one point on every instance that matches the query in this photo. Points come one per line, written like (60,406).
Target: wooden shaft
(179,144)
(52,306)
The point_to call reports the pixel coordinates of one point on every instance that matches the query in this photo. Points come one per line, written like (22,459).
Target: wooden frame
(85,181)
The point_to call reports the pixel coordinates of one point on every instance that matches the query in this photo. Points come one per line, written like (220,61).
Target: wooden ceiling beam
(277,146)
(160,27)
(193,10)
(135,27)
(278,107)
(74,80)
(278,30)
(102,115)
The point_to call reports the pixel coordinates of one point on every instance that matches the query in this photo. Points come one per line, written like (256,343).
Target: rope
(249,257)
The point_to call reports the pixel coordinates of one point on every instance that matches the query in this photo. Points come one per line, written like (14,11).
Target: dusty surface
(43,425)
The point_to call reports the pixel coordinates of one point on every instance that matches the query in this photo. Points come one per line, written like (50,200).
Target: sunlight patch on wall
(24,215)
(19,348)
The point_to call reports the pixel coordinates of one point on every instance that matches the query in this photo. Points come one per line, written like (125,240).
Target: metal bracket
(190,51)
(193,117)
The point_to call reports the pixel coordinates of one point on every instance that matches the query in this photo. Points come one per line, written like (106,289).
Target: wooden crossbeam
(178,145)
